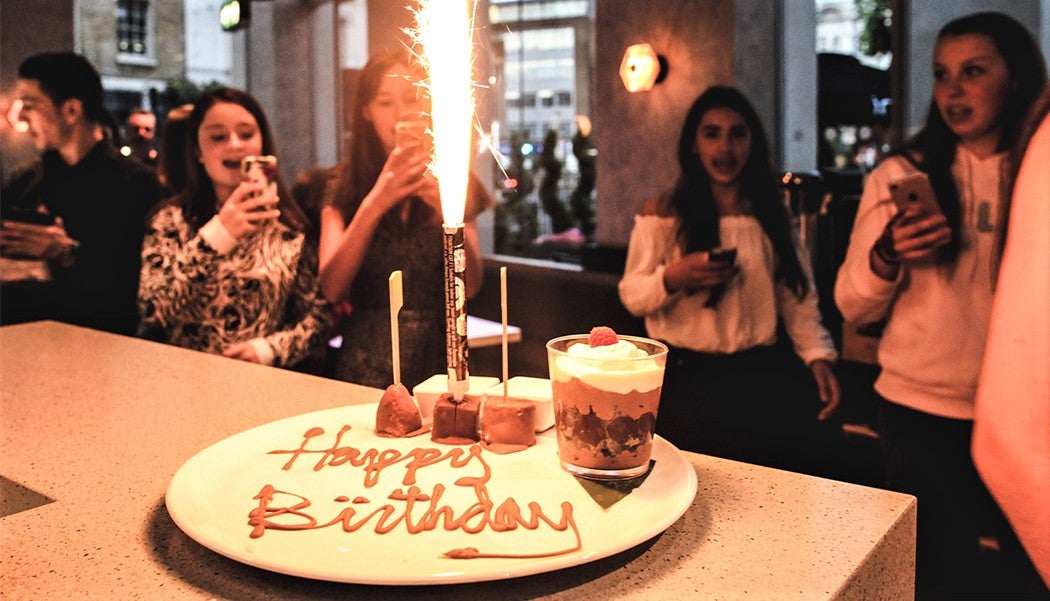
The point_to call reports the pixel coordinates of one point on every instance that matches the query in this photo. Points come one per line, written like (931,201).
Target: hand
(243,351)
(917,236)
(36,241)
(696,271)
(430,193)
(402,177)
(249,206)
(827,387)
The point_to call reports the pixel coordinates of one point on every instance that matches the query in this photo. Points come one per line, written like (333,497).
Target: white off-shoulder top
(747,314)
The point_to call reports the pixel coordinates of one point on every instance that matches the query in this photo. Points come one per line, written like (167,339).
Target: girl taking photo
(929,273)
(227,265)
(381,214)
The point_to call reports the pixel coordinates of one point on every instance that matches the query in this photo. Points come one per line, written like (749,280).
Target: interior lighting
(642,68)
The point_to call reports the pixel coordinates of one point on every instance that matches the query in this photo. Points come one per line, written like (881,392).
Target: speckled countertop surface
(99,424)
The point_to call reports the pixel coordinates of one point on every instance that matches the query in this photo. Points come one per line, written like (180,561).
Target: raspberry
(602,336)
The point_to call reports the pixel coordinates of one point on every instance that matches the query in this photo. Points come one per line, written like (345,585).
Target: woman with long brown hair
(227,265)
(382,214)
(929,273)
(734,386)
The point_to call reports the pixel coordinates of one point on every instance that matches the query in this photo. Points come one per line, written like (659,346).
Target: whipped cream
(620,367)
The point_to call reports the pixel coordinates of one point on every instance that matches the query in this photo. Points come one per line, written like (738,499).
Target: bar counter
(93,426)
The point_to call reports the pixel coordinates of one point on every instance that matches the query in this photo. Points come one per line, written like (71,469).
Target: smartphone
(722,254)
(259,169)
(408,133)
(27,215)
(913,194)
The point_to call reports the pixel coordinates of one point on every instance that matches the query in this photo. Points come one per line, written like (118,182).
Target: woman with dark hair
(731,387)
(929,273)
(227,266)
(381,214)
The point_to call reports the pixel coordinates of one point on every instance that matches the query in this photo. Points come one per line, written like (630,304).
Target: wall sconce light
(642,68)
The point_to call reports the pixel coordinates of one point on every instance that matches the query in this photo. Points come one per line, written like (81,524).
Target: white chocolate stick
(396,302)
(503,317)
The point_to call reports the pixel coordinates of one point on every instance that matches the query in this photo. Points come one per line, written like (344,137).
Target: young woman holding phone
(929,274)
(382,213)
(714,269)
(227,265)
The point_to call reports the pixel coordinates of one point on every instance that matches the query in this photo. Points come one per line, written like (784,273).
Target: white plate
(212,494)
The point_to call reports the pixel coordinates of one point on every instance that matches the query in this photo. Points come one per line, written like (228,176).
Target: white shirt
(745,317)
(931,349)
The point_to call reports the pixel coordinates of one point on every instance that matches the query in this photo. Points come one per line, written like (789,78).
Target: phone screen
(261,169)
(722,254)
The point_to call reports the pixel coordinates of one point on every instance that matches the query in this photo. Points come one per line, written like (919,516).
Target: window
(542,59)
(853,82)
(134,30)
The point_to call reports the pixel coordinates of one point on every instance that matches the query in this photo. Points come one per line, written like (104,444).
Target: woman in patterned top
(381,214)
(227,265)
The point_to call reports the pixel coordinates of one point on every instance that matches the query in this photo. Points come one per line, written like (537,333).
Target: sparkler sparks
(444,31)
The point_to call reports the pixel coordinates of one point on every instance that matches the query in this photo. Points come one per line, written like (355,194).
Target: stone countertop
(94,425)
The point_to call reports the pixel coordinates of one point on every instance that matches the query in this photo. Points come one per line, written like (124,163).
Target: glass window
(507,11)
(853,80)
(134,27)
(545,208)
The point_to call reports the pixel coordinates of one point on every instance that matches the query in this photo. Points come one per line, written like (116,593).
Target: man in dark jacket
(81,207)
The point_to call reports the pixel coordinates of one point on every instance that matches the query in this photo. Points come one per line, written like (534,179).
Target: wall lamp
(642,68)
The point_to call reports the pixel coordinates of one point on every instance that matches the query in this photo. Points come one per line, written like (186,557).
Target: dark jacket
(103,201)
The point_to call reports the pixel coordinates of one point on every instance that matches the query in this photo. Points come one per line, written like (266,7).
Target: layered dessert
(536,391)
(606,393)
(397,415)
(430,390)
(507,426)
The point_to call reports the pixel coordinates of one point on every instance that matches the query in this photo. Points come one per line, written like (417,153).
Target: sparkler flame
(444,30)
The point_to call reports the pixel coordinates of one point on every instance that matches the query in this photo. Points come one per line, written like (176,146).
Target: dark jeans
(758,406)
(929,457)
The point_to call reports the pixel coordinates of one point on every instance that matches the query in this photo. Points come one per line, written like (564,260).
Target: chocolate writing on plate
(407,507)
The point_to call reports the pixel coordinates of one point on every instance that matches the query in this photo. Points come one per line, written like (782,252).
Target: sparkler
(444,30)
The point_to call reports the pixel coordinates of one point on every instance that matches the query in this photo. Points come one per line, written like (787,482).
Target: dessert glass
(605,404)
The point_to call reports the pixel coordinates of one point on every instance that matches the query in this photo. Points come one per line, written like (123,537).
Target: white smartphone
(914,194)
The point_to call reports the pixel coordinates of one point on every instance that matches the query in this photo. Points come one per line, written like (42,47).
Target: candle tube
(455,261)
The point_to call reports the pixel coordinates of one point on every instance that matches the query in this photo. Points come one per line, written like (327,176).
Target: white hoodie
(937,316)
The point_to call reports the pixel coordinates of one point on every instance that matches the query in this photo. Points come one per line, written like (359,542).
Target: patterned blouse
(206,292)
